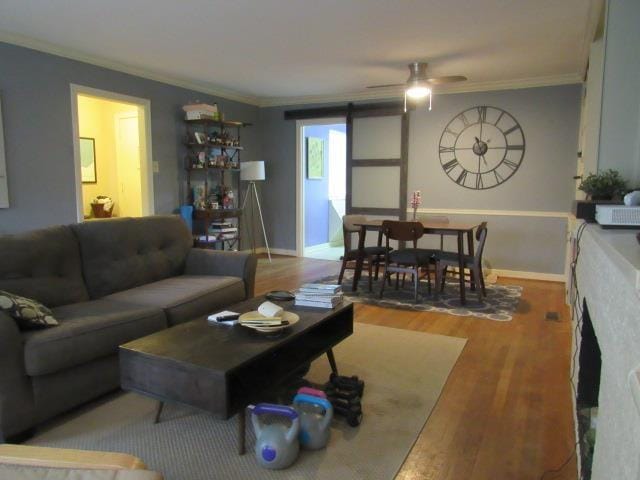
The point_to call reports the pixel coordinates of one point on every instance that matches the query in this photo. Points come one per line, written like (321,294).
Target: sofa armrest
(17,410)
(201,261)
(68,458)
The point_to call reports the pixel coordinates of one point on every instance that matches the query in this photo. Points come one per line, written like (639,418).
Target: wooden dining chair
(411,260)
(372,256)
(471,262)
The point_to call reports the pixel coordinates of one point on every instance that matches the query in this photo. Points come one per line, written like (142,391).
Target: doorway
(112,150)
(322,153)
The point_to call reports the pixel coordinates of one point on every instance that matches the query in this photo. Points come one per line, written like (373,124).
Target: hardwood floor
(505,412)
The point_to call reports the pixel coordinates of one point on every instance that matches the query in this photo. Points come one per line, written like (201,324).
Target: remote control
(227,318)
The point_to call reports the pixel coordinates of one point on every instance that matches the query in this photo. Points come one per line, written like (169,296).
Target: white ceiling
(268,51)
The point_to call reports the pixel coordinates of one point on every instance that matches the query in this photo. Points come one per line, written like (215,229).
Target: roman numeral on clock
(464,120)
(479,183)
(446,149)
(515,147)
(462,177)
(482,114)
(450,165)
(510,164)
(512,129)
(499,177)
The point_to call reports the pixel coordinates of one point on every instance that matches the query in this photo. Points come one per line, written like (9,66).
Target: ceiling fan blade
(446,79)
(387,85)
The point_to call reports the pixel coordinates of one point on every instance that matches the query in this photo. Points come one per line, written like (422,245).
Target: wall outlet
(156,166)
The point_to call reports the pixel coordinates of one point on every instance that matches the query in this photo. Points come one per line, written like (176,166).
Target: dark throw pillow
(26,312)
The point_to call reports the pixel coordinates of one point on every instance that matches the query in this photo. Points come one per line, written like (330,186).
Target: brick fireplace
(608,280)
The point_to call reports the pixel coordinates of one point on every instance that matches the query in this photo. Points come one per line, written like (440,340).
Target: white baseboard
(315,248)
(548,277)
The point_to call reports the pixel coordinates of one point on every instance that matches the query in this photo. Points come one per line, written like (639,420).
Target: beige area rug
(404,371)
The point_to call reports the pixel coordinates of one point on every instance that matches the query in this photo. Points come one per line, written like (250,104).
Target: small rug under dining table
(500,303)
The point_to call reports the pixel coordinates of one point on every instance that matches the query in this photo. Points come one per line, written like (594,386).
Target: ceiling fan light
(418,92)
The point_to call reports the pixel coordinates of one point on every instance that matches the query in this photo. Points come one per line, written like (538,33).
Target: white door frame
(148,204)
(300,174)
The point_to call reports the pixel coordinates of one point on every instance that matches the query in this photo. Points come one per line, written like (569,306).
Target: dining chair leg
(443,276)
(342,269)
(370,269)
(484,290)
(476,278)
(404,276)
(428,280)
(377,266)
(416,281)
(397,279)
(384,281)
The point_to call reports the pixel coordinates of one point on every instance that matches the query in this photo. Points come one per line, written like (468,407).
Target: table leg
(332,361)
(158,412)
(461,266)
(470,247)
(242,423)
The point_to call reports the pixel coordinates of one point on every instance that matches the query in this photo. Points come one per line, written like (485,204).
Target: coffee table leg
(332,361)
(158,412)
(242,420)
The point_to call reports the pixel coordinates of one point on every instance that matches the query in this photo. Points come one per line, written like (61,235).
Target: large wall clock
(482,147)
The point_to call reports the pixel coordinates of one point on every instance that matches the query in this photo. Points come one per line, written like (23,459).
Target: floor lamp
(252,172)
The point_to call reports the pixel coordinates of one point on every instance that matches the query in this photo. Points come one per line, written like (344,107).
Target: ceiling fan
(418,85)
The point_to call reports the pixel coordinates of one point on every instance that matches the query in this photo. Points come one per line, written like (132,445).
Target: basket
(100,212)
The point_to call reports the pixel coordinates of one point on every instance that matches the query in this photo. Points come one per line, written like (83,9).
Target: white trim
(500,213)
(547,277)
(396,92)
(145,105)
(4,183)
(203,87)
(300,124)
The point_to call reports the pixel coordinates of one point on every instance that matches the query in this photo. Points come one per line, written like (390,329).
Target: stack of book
(223,230)
(318,295)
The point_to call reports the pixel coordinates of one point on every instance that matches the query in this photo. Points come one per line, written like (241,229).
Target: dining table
(456,229)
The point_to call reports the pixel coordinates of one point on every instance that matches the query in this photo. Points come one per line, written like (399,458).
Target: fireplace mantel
(608,279)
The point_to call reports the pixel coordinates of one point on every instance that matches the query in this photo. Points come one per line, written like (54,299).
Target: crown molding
(202,87)
(217,91)
(396,92)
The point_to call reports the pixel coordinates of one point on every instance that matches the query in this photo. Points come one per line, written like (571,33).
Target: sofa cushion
(122,253)
(27,313)
(186,297)
(43,265)
(87,331)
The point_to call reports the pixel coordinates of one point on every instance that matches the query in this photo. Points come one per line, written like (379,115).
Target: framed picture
(88,160)
(315,158)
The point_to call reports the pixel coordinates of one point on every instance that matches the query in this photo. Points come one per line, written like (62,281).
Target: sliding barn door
(377,163)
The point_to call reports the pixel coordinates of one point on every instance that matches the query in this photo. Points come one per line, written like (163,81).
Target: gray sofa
(107,282)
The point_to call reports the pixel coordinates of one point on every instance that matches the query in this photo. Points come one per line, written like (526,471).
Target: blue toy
(314,423)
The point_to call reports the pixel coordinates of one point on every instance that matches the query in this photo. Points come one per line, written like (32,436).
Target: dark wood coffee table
(221,369)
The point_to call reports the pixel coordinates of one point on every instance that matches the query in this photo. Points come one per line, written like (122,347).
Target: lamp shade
(252,171)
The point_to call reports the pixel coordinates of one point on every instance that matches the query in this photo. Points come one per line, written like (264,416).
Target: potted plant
(603,187)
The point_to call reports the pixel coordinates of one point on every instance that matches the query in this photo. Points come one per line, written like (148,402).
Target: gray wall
(620,129)
(549,118)
(38,133)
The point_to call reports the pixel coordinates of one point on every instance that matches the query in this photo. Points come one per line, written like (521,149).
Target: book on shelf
(223,230)
(320,288)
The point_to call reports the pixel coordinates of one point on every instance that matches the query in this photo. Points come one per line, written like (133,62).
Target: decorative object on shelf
(419,86)
(315,158)
(482,147)
(102,207)
(603,185)
(252,172)
(416,201)
(88,160)
(201,111)
(200,137)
